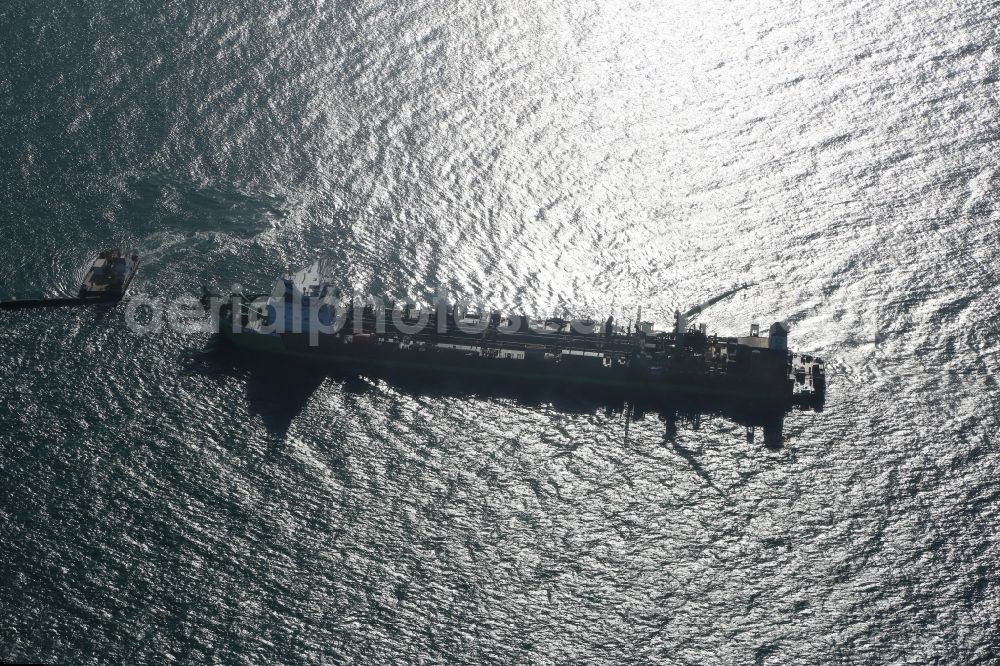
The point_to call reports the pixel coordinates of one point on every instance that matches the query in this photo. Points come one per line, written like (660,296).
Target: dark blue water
(160,500)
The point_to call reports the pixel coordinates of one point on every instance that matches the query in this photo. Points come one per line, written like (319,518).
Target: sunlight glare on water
(162,499)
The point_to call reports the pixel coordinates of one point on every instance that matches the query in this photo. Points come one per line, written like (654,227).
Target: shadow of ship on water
(277,392)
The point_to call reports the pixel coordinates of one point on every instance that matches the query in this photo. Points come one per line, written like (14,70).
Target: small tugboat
(105,282)
(110,276)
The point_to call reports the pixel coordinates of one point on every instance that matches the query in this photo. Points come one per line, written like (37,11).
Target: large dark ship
(300,319)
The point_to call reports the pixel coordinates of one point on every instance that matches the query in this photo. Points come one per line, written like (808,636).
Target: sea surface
(161,500)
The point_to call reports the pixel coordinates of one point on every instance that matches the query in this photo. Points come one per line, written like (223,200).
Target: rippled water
(163,500)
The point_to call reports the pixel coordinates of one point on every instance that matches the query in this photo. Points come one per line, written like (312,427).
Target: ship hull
(332,352)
